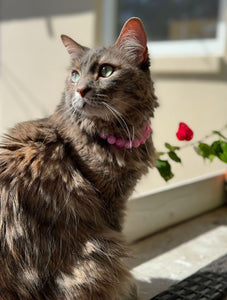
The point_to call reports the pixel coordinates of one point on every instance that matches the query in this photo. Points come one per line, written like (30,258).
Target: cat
(65,179)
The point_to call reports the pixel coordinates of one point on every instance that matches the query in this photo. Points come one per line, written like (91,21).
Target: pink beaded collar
(121,143)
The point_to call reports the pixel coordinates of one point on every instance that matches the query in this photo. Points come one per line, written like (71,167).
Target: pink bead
(103,136)
(142,141)
(111,139)
(136,143)
(148,128)
(146,135)
(120,143)
(128,144)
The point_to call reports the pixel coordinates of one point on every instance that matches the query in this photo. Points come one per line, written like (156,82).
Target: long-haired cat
(65,179)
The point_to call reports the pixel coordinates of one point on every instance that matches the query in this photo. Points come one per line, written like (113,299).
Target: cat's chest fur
(112,172)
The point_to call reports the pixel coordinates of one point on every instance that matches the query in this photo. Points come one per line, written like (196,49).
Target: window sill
(170,205)
(186,65)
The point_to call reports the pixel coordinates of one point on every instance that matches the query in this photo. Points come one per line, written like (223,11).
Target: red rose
(184,133)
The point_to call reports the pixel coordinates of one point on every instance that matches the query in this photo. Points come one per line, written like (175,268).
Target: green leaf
(223,157)
(204,150)
(220,134)
(174,156)
(164,169)
(216,147)
(220,150)
(171,148)
(206,154)
(211,157)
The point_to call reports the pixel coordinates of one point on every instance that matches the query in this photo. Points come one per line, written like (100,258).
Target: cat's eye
(106,71)
(75,76)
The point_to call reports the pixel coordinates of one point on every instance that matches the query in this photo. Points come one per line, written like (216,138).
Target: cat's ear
(73,48)
(133,40)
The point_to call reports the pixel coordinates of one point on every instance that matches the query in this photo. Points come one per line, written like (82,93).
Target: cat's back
(41,168)
(28,147)
(29,133)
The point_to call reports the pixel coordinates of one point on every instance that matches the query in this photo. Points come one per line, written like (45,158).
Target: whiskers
(136,110)
(121,121)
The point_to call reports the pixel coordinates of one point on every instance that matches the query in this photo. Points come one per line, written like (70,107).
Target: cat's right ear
(133,40)
(74,49)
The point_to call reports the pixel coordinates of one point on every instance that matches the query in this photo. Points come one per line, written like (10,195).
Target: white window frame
(184,48)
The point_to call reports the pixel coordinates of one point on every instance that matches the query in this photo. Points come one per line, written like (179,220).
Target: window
(174,27)
(172,19)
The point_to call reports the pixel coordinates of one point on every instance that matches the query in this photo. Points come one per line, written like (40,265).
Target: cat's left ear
(73,48)
(133,40)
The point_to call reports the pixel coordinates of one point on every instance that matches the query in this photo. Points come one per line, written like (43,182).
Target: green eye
(106,71)
(75,76)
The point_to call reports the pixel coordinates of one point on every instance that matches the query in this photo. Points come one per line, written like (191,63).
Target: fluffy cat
(65,179)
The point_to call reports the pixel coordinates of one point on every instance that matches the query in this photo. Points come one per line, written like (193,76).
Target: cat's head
(113,83)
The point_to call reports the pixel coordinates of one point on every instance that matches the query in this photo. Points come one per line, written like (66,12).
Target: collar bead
(127,144)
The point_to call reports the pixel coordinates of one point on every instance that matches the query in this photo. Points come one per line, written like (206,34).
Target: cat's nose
(83,91)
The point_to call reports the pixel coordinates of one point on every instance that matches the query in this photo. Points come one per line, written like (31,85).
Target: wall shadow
(14,9)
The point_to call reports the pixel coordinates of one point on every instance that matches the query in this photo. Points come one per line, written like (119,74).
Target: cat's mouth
(90,103)
(90,107)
